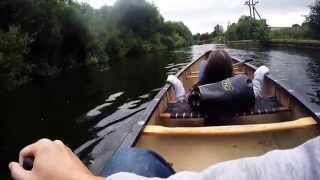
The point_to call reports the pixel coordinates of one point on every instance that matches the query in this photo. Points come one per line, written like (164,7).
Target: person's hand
(52,161)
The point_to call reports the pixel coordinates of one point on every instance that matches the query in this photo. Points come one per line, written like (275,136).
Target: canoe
(188,144)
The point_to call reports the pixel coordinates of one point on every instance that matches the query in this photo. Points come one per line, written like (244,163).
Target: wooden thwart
(234,72)
(228,130)
(195,74)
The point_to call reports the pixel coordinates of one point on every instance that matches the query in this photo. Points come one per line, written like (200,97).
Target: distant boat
(187,144)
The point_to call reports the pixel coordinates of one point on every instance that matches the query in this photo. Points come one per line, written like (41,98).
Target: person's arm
(302,162)
(55,161)
(52,161)
(258,80)
(177,86)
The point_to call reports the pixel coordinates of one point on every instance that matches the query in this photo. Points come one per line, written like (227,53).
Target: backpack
(227,97)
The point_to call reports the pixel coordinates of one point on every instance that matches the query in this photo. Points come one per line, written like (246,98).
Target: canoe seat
(267,105)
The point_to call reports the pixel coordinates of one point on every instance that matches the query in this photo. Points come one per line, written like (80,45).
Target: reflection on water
(78,106)
(114,96)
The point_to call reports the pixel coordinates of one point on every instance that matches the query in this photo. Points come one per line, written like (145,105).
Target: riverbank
(309,44)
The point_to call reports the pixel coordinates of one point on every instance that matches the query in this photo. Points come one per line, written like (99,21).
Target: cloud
(202,15)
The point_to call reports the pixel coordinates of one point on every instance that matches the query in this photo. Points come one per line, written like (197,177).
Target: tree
(218,30)
(66,34)
(138,16)
(205,36)
(196,37)
(248,28)
(13,68)
(313,20)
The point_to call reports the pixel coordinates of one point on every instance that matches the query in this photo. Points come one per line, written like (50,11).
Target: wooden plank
(229,130)
(235,72)
(194,75)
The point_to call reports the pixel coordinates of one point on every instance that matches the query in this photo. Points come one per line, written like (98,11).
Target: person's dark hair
(218,68)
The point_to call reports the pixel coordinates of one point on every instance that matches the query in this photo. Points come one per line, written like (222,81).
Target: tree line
(216,33)
(309,29)
(41,38)
(248,28)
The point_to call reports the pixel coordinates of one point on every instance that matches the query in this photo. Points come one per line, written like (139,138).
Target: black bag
(229,96)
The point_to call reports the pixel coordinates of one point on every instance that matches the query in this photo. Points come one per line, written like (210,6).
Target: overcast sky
(202,15)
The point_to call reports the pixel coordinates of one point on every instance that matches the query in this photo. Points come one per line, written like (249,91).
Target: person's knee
(139,161)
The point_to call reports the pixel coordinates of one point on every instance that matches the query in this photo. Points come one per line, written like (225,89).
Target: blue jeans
(138,161)
(202,68)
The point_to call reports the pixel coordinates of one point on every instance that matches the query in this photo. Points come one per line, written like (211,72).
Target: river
(67,107)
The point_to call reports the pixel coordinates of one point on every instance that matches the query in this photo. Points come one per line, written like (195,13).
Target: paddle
(242,62)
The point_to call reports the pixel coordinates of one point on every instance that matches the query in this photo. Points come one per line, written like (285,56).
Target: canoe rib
(228,130)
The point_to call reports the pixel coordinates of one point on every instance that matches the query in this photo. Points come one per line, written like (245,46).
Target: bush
(248,29)
(66,34)
(13,68)
(313,20)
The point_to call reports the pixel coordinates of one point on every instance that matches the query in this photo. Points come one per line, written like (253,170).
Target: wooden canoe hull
(195,153)
(195,148)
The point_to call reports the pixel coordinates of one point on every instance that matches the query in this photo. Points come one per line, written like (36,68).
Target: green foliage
(60,38)
(294,32)
(13,69)
(135,26)
(313,20)
(218,30)
(66,34)
(215,35)
(138,17)
(177,33)
(248,29)
(196,38)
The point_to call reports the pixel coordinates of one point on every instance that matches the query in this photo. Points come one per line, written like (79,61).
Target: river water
(69,106)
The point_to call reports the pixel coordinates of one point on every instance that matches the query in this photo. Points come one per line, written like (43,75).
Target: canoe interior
(196,152)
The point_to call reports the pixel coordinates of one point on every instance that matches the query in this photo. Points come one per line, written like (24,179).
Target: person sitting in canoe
(55,161)
(217,67)
(218,89)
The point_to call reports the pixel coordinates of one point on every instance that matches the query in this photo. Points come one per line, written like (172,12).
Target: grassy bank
(314,44)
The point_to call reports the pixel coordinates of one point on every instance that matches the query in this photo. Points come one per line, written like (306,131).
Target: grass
(296,41)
